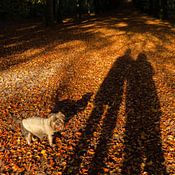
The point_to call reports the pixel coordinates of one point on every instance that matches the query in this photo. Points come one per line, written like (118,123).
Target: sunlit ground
(126,127)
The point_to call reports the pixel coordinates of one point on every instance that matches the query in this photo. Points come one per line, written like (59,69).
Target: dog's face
(57,121)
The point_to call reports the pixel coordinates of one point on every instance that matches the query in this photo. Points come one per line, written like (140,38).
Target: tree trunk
(156,8)
(79,9)
(151,9)
(57,11)
(96,6)
(49,12)
(164,9)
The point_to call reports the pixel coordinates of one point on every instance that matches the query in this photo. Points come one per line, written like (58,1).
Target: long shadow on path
(142,138)
(109,95)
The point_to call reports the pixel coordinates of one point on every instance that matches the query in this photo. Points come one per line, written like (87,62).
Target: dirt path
(112,76)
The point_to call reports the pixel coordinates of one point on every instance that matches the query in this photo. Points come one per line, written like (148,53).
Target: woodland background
(109,66)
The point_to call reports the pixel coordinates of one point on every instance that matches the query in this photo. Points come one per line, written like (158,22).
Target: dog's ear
(61,116)
(51,119)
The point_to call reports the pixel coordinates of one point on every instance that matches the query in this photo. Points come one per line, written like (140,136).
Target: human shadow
(143,147)
(108,98)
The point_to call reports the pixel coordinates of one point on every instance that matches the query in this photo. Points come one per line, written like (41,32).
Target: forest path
(112,75)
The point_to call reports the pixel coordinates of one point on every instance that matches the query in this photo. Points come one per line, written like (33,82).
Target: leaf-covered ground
(114,78)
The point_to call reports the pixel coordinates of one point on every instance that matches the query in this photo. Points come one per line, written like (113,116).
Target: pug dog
(40,127)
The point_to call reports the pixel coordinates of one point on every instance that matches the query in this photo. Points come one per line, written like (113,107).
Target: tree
(49,14)
(151,9)
(59,14)
(96,6)
(164,9)
(79,9)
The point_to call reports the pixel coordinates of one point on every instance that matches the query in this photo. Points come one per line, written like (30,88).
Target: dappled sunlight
(26,28)
(158,23)
(170,49)
(13,44)
(16,37)
(125,19)
(71,46)
(121,24)
(173,29)
(87,26)
(31,52)
(125,62)
(31,77)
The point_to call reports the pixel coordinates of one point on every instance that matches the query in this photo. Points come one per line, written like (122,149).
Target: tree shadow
(142,137)
(108,98)
(19,38)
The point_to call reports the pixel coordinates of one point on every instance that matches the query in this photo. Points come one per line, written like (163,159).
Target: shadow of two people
(142,138)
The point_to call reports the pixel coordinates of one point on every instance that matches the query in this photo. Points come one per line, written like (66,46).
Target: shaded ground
(113,76)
